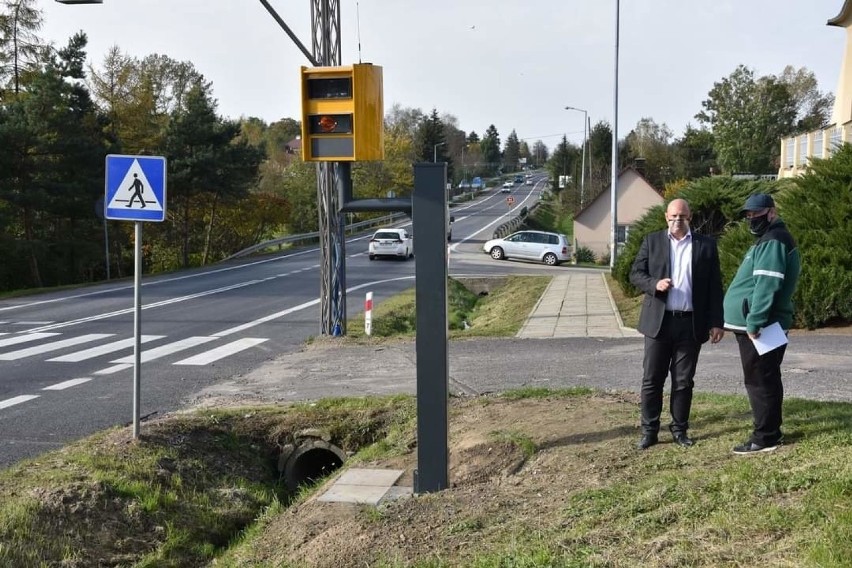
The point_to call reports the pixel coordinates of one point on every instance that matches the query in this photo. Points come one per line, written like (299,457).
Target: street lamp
(464,169)
(435,151)
(583,165)
(614,184)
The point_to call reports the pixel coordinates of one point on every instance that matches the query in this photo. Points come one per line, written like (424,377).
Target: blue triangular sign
(135,188)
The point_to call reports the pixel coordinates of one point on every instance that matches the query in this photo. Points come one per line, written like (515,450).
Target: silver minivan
(549,248)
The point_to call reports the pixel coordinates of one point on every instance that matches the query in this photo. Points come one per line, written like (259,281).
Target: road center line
(17,400)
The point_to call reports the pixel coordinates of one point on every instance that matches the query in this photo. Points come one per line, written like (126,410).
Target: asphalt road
(66,357)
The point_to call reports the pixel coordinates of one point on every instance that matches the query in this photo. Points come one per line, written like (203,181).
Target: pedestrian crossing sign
(135,188)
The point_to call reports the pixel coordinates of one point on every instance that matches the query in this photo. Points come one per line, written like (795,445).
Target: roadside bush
(586,255)
(818,213)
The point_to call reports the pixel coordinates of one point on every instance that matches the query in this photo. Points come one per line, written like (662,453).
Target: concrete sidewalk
(576,305)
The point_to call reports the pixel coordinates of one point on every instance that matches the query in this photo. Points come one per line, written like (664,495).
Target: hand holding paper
(771,337)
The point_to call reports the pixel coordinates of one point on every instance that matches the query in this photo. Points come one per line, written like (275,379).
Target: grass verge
(500,313)
(628,307)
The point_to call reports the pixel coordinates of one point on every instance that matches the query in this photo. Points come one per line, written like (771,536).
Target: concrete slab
(364,486)
(363,494)
(363,476)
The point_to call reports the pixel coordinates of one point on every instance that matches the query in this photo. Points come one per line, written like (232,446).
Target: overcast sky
(512,64)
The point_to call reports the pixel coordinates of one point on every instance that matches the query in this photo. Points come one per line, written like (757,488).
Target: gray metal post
(137,327)
(106,247)
(429,209)
(613,253)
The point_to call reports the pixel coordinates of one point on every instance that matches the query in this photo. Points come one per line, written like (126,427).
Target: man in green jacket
(760,295)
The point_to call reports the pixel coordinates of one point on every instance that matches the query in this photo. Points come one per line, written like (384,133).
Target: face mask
(758,225)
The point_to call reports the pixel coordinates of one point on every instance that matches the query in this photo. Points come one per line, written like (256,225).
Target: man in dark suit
(679,273)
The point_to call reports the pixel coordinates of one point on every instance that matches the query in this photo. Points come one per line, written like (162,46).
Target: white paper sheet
(771,337)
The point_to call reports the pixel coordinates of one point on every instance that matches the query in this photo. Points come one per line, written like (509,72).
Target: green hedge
(819,214)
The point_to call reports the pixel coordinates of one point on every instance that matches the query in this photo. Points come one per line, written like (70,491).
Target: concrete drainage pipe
(307,460)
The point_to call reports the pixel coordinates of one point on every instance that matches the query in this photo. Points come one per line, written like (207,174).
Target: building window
(789,151)
(818,135)
(836,137)
(803,149)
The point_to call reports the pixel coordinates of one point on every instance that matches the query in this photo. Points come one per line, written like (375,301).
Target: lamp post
(614,184)
(583,165)
(435,151)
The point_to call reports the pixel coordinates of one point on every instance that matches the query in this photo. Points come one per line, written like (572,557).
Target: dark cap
(757,202)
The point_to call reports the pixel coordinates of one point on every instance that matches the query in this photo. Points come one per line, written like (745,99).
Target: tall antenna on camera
(358,26)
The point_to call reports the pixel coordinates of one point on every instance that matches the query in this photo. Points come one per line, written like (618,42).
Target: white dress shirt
(680,258)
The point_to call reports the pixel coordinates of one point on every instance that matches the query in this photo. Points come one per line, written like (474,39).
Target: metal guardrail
(353,228)
(514,223)
(307,237)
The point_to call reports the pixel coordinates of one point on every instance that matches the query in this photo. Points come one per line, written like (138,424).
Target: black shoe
(646,442)
(683,440)
(751,448)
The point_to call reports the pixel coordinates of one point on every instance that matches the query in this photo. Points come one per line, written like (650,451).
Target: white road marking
(104,349)
(54,346)
(222,351)
(66,384)
(163,350)
(17,400)
(113,369)
(146,306)
(24,338)
(302,306)
(265,319)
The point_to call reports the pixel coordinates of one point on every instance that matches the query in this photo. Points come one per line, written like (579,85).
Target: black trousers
(674,351)
(762,374)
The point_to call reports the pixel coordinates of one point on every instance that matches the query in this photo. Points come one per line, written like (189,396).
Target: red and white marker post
(368,314)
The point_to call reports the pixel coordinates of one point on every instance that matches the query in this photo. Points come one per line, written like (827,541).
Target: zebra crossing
(15,347)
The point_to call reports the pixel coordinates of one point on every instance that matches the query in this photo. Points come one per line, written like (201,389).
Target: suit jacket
(653,263)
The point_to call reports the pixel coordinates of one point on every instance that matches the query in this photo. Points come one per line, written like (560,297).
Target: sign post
(136,191)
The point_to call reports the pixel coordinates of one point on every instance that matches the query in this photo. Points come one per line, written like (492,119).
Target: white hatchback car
(549,248)
(391,242)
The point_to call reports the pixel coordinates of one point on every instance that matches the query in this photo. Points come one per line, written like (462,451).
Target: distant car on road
(507,187)
(395,243)
(549,248)
(464,184)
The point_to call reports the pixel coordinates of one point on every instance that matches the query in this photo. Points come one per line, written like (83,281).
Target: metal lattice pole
(325,28)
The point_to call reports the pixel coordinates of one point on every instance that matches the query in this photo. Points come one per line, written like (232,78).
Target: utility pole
(331,176)
(325,28)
